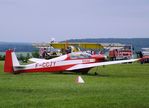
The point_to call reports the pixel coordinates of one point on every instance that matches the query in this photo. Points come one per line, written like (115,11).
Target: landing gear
(15,73)
(96,71)
(84,73)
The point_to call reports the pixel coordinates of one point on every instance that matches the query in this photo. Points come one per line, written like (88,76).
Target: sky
(41,20)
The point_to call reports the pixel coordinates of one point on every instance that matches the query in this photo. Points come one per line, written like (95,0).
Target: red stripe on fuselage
(48,69)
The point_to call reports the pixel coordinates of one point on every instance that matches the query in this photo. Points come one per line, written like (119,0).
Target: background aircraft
(76,61)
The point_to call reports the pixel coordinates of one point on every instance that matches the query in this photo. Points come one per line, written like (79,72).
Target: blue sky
(41,20)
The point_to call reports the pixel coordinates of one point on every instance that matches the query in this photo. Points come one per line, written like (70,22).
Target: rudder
(8,65)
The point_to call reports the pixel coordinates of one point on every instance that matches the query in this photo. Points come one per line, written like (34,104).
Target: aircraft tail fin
(10,61)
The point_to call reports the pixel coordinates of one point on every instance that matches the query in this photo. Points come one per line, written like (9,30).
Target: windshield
(79,55)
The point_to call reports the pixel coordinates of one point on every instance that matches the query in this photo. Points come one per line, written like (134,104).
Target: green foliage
(24,58)
(21,57)
(2,57)
(116,86)
(35,54)
(28,56)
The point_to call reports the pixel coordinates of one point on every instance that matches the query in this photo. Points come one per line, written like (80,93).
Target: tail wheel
(16,72)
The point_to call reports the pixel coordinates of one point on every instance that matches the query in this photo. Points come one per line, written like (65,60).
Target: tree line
(23,57)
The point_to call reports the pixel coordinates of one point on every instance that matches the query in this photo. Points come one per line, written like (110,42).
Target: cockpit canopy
(79,55)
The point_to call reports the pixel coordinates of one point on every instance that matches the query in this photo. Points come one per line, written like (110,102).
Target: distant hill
(19,47)
(137,43)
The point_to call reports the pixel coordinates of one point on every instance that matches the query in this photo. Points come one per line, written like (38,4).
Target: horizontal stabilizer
(21,66)
(36,60)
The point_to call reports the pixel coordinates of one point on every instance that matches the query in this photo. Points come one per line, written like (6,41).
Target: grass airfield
(116,86)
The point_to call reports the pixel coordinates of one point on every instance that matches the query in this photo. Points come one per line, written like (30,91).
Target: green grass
(116,86)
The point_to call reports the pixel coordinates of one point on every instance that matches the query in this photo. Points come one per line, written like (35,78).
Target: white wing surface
(83,66)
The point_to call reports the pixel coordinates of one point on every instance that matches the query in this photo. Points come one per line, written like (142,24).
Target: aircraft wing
(83,66)
(36,60)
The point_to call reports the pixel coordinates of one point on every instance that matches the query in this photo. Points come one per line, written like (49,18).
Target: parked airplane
(77,61)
